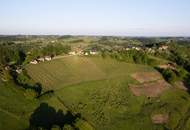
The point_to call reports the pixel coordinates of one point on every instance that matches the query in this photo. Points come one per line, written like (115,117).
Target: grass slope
(71,70)
(15,109)
(98,89)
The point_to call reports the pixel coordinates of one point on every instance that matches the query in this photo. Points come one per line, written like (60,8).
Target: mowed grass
(72,70)
(15,109)
(110,105)
(99,90)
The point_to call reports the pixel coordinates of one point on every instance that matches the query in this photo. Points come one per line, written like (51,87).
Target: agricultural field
(76,69)
(17,118)
(103,92)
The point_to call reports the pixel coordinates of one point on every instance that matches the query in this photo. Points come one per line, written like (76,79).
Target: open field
(72,70)
(15,109)
(109,104)
(100,90)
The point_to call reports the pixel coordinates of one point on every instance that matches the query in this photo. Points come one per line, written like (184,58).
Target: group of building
(86,53)
(41,59)
(148,49)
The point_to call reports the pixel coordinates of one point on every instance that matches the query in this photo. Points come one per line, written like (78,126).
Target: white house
(48,58)
(19,71)
(86,54)
(127,49)
(92,52)
(163,47)
(34,62)
(72,53)
(136,48)
(41,59)
(150,50)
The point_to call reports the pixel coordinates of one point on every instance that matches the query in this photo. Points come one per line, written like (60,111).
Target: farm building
(164,47)
(136,48)
(41,59)
(34,62)
(86,53)
(93,52)
(72,53)
(18,70)
(48,58)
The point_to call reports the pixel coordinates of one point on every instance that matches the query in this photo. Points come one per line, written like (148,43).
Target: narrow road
(60,57)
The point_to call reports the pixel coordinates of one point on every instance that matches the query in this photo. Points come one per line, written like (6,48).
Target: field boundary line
(9,113)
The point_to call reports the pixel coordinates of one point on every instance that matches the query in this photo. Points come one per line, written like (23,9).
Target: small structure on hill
(19,70)
(168,66)
(136,48)
(7,67)
(163,47)
(48,58)
(41,59)
(72,53)
(86,53)
(93,52)
(150,50)
(34,62)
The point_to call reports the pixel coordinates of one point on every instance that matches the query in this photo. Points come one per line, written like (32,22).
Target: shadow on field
(45,117)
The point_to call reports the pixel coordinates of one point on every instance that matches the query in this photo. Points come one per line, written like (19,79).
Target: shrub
(22,79)
(169,75)
(30,93)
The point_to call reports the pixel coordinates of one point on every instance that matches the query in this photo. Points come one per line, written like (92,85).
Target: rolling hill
(99,89)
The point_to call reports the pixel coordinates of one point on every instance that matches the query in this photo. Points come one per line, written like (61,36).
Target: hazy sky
(96,17)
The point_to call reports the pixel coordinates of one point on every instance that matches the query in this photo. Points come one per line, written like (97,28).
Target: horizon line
(100,35)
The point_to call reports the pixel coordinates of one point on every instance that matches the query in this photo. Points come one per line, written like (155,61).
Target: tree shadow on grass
(45,117)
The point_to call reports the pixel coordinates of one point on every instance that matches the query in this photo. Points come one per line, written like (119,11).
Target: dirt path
(60,57)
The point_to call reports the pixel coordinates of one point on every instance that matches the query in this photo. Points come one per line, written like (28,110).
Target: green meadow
(98,89)
(73,70)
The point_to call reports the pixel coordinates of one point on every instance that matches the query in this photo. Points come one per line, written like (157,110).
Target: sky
(95,17)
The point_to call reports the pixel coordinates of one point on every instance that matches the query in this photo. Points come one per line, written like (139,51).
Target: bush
(181,73)
(169,75)
(30,93)
(22,79)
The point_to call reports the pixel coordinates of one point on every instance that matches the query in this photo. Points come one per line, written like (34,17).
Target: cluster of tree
(49,50)
(76,41)
(181,61)
(10,55)
(181,56)
(23,79)
(55,49)
(131,56)
(171,75)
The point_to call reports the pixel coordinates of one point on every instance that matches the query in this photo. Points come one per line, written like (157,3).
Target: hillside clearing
(152,89)
(143,77)
(73,70)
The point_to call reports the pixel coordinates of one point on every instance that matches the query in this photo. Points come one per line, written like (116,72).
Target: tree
(23,79)
(169,75)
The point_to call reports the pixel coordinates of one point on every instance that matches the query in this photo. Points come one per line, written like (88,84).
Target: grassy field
(109,104)
(99,90)
(15,109)
(72,70)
